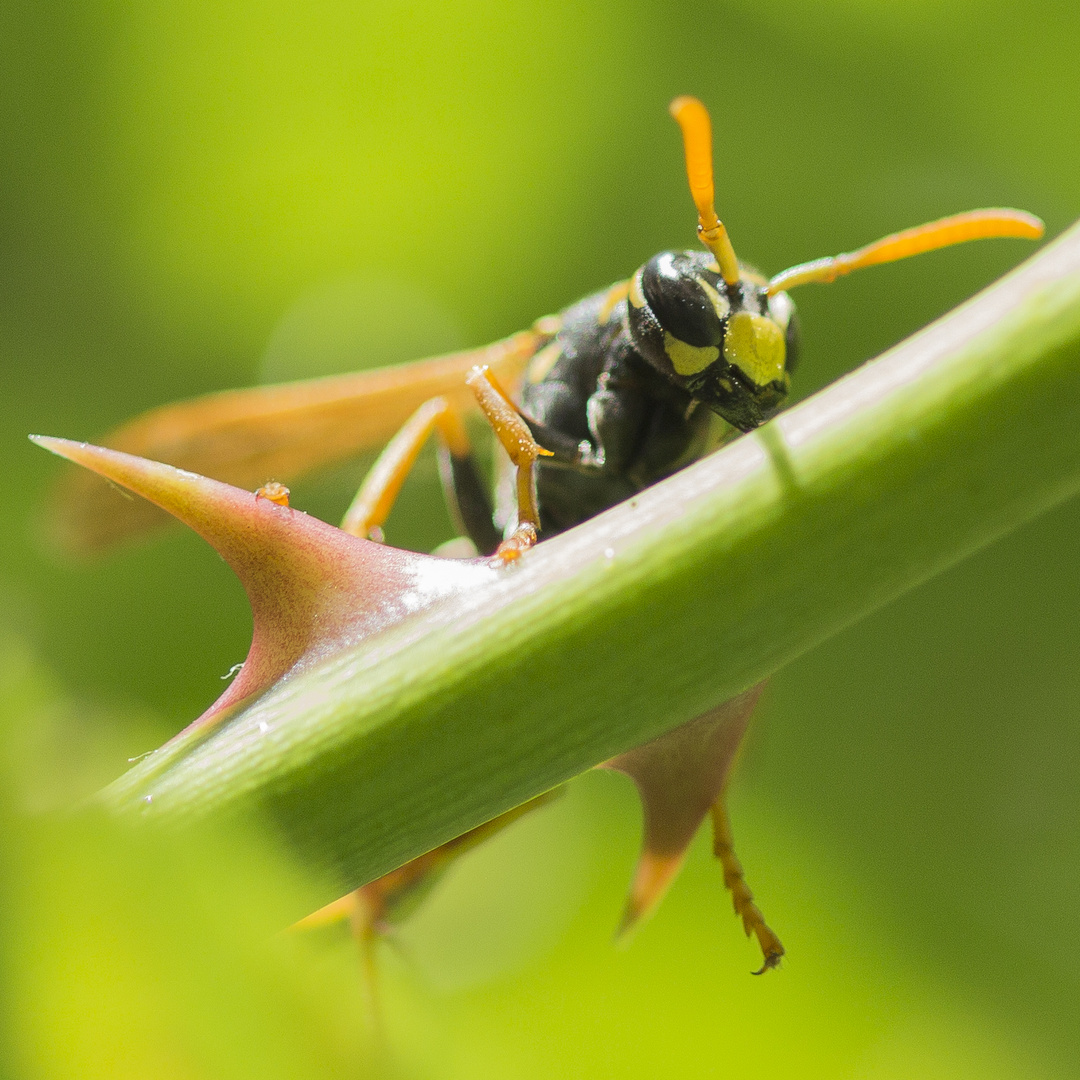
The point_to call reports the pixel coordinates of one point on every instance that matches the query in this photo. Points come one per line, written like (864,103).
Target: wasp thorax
(730,347)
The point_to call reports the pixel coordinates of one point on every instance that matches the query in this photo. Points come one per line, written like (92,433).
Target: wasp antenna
(971,225)
(693,119)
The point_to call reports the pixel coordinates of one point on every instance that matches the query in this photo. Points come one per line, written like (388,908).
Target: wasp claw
(511,549)
(772,960)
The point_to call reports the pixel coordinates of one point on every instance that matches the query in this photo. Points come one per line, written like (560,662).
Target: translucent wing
(246,437)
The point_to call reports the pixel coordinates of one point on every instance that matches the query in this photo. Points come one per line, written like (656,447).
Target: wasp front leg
(616,416)
(517,440)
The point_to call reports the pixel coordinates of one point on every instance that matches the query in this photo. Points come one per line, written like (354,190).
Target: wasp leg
(365,933)
(741,896)
(619,291)
(566,451)
(361,909)
(517,440)
(468,500)
(373,909)
(464,488)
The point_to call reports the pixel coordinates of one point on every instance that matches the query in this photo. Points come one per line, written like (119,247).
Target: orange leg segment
(516,439)
(619,291)
(376,497)
(741,896)
(380,489)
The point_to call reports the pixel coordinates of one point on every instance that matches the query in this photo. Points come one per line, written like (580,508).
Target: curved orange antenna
(971,225)
(693,119)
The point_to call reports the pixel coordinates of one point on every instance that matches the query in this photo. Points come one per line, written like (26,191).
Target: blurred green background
(198,196)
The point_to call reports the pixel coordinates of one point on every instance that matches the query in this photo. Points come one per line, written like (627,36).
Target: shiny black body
(606,395)
(601,392)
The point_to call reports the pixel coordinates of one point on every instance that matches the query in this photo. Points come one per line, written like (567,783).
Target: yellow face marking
(720,303)
(543,362)
(755,345)
(637,297)
(689,359)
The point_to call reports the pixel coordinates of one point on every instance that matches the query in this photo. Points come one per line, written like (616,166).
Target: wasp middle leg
(466,495)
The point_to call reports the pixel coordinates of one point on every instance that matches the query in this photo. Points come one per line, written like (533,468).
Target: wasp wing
(247,437)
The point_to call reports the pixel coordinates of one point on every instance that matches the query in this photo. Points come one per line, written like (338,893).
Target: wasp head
(731,347)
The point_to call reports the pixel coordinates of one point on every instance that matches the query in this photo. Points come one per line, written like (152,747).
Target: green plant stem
(668,604)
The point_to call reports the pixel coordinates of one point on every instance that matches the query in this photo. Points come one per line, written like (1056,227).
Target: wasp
(623,386)
(591,406)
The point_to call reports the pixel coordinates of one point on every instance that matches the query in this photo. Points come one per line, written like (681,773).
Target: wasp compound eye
(685,302)
(782,312)
(678,305)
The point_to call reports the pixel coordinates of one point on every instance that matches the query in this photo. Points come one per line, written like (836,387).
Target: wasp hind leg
(463,486)
(741,897)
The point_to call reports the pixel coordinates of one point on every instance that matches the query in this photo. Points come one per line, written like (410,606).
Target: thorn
(313,588)
(654,875)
